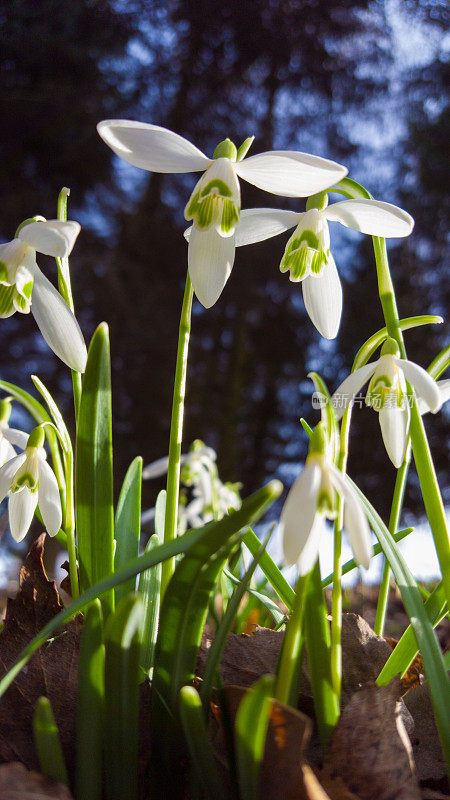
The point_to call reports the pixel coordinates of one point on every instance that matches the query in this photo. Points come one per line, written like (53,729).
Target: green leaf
(327,412)
(423,628)
(90,706)
(94,469)
(317,639)
(48,745)
(55,413)
(121,719)
(252,722)
(377,549)
(182,619)
(127,528)
(199,744)
(275,612)
(368,348)
(273,574)
(149,589)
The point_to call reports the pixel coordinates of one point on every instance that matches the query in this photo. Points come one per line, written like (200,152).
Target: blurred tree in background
(331,79)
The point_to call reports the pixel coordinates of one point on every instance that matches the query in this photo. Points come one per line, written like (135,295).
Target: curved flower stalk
(307,255)
(312,500)
(24,288)
(211,499)
(9,437)
(387,394)
(29,480)
(215,203)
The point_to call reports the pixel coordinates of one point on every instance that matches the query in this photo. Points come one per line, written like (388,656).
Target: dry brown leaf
(17,783)
(370,750)
(245,658)
(363,654)
(52,671)
(427,750)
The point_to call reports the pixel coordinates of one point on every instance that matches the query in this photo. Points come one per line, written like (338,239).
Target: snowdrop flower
(214,205)
(24,288)
(9,437)
(307,255)
(28,480)
(312,500)
(387,394)
(444,391)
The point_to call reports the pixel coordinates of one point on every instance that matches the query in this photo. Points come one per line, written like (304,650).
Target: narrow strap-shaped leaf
(275,577)
(377,549)
(182,619)
(121,720)
(218,645)
(127,528)
(250,508)
(90,706)
(423,629)
(368,348)
(317,639)
(48,745)
(406,649)
(149,586)
(275,612)
(94,476)
(199,743)
(252,722)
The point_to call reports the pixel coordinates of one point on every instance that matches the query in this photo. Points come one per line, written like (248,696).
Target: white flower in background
(307,255)
(9,437)
(210,498)
(215,203)
(28,480)
(24,288)
(387,394)
(312,500)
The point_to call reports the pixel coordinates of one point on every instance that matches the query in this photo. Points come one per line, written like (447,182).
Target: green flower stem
(434,506)
(176,430)
(65,290)
(69,524)
(292,647)
(396,508)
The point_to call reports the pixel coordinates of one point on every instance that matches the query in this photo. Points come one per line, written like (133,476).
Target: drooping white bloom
(210,498)
(24,288)
(444,392)
(29,480)
(214,205)
(307,255)
(311,501)
(387,394)
(9,437)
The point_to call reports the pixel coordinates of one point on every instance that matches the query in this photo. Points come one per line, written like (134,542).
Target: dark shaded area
(296,73)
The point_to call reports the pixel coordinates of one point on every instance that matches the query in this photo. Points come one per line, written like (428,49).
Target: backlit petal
(151,147)
(7,472)
(49,499)
(322,294)
(210,260)
(299,511)
(57,324)
(371,216)
(353,384)
(444,391)
(290,174)
(53,238)
(21,510)
(310,552)
(15,437)
(424,385)
(258,224)
(394,424)
(355,520)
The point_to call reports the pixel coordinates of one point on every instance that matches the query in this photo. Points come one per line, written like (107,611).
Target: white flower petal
(49,499)
(7,451)
(444,391)
(210,261)
(156,468)
(394,424)
(53,238)
(322,294)
(7,472)
(353,384)
(355,520)
(16,437)
(371,216)
(310,552)
(424,385)
(258,224)
(290,174)
(21,509)
(57,324)
(152,147)
(299,511)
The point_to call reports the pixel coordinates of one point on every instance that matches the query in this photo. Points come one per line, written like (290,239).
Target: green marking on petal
(25,479)
(212,206)
(222,189)
(4,275)
(310,239)
(7,300)
(230,216)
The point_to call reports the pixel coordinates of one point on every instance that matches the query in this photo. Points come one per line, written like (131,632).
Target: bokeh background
(358,81)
